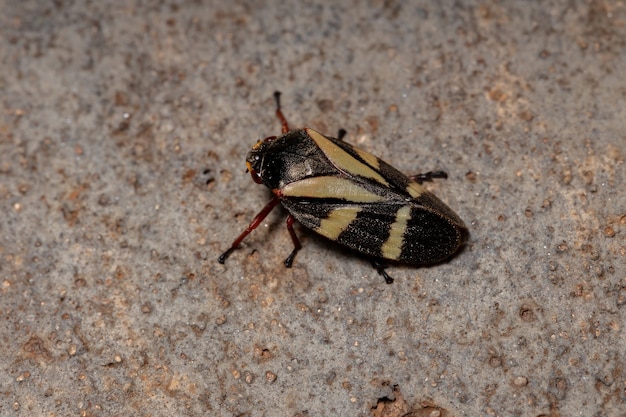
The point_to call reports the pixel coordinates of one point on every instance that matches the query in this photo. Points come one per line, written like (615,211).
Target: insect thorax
(288,158)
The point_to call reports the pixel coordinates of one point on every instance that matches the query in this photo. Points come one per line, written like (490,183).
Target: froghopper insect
(351,197)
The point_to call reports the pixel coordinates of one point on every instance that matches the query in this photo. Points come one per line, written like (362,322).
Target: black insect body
(352,197)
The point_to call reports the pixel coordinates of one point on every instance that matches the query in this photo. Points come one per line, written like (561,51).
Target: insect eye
(269,139)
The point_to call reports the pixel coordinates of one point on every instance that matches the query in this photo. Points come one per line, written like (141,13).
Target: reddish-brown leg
(296,242)
(380,268)
(253,225)
(279,113)
(428,176)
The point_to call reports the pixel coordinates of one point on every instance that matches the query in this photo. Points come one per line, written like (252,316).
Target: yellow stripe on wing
(392,248)
(330,187)
(414,189)
(346,162)
(337,221)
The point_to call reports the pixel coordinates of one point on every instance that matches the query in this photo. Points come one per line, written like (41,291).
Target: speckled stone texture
(123,131)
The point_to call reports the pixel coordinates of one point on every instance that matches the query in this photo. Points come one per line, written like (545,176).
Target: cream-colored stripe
(369,158)
(337,221)
(343,160)
(414,189)
(330,187)
(392,248)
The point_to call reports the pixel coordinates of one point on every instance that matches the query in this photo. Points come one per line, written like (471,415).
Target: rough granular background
(123,132)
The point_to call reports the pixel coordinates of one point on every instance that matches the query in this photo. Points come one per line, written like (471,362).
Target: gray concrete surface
(123,132)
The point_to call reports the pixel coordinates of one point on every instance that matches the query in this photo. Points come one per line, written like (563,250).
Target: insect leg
(279,113)
(296,242)
(428,176)
(253,225)
(380,268)
(341,134)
